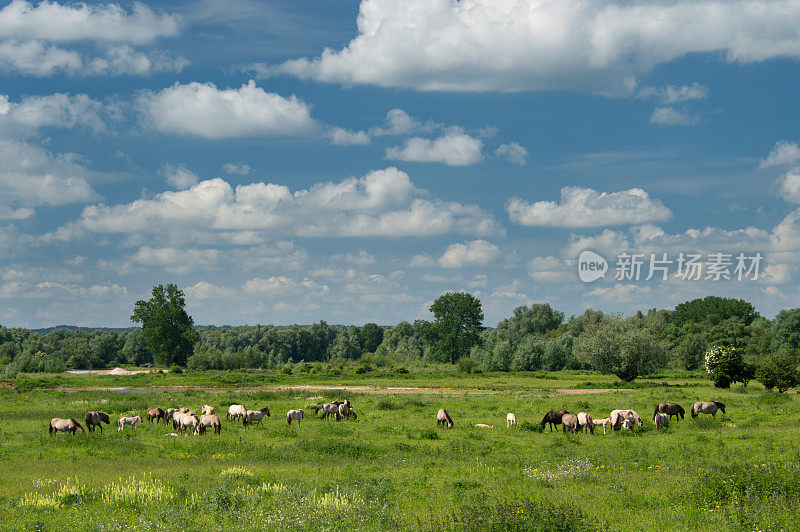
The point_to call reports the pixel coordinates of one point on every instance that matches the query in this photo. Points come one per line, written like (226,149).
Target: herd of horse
(184,421)
(617,419)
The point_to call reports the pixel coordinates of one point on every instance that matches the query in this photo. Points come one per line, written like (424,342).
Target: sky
(295,161)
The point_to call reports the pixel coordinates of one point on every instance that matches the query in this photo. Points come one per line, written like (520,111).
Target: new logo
(591,266)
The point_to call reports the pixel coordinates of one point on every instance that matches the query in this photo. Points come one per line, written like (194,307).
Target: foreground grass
(392,469)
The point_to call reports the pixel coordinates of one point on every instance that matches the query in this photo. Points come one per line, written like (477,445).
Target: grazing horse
(128,421)
(619,416)
(182,421)
(96,419)
(585,420)
(295,415)
(345,410)
(605,421)
(671,409)
(570,421)
(709,407)
(328,409)
(255,415)
(65,425)
(169,413)
(511,420)
(235,412)
(157,414)
(210,420)
(553,417)
(661,421)
(443,418)
(207,410)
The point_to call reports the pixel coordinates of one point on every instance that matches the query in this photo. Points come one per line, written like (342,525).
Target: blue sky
(287,162)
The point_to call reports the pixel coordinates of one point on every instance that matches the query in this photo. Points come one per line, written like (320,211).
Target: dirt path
(341,388)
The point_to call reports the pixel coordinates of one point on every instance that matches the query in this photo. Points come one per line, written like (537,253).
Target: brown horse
(443,418)
(96,419)
(64,425)
(157,414)
(671,409)
(553,417)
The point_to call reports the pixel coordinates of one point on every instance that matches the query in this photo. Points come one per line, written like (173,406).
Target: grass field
(393,469)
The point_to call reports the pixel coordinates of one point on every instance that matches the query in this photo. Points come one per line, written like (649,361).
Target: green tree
(371,336)
(531,321)
(785,330)
(724,365)
(456,327)
(714,309)
(779,371)
(167,329)
(621,348)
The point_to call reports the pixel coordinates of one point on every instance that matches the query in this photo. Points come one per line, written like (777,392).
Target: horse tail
(655,412)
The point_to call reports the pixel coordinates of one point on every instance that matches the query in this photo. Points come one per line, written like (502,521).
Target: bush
(176,369)
(778,371)
(467,365)
(724,365)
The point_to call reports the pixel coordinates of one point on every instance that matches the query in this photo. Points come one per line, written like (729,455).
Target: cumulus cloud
(83,22)
(362,258)
(54,110)
(30,176)
(784,153)
(202,110)
(452,149)
(549,269)
(398,122)
(124,60)
(382,203)
(176,260)
(672,94)
(205,290)
(585,207)
(344,137)
(669,116)
(474,253)
(178,175)
(421,260)
(236,168)
(505,45)
(37,59)
(789,184)
(512,152)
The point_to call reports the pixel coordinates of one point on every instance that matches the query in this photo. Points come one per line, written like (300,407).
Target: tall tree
(458,320)
(167,329)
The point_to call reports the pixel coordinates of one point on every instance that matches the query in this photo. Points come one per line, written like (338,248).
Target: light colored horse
(345,410)
(329,409)
(484,426)
(96,419)
(605,421)
(235,412)
(585,420)
(128,421)
(207,411)
(210,420)
(294,415)
(169,413)
(255,415)
(661,421)
(708,407)
(627,424)
(570,421)
(65,425)
(511,420)
(443,418)
(182,421)
(619,416)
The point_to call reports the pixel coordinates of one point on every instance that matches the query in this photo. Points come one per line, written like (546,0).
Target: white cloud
(507,45)
(178,175)
(280,285)
(784,153)
(398,122)
(205,290)
(81,22)
(343,137)
(585,207)
(236,168)
(549,269)
(790,185)
(37,59)
(202,110)
(382,203)
(30,176)
(672,94)
(669,116)
(362,258)
(474,253)
(176,260)
(54,110)
(512,152)
(124,60)
(422,260)
(620,293)
(452,149)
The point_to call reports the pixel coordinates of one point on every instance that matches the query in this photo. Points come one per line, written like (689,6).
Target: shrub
(176,369)
(467,365)
(533,427)
(778,371)
(724,365)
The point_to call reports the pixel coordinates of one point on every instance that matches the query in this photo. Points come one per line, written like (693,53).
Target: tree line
(725,337)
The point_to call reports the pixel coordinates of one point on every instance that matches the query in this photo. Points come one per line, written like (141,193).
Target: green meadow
(393,469)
